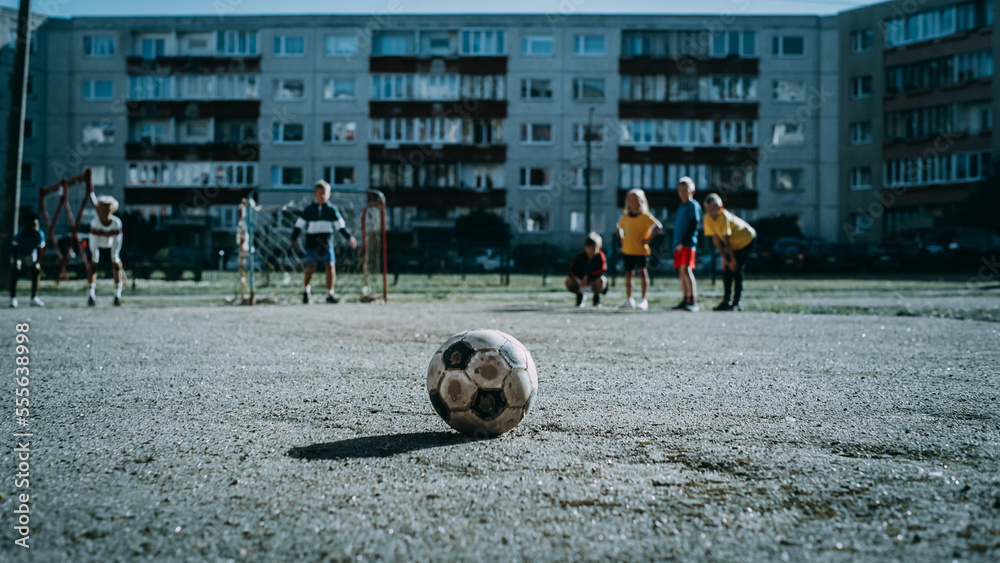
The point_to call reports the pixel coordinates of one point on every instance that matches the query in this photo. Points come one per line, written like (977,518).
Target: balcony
(962,42)
(437,65)
(163,66)
(248,151)
(461,109)
(438,153)
(959,93)
(724,156)
(685,65)
(736,199)
(166,109)
(444,197)
(707,111)
(955,142)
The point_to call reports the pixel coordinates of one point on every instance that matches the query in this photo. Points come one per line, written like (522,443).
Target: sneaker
(90,301)
(643,305)
(692,307)
(305,297)
(332,299)
(680,306)
(579,300)
(736,307)
(597,300)
(629,303)
(13,302)
(724,306)
(118,301)
(36,302)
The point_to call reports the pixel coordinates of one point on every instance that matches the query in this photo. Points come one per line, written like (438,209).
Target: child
(26,244)
(105,234)
(586,271)
(734,239)
(685,241)
(319,220)
(635,229)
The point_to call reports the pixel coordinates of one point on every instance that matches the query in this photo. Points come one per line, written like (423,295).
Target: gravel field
(305,433)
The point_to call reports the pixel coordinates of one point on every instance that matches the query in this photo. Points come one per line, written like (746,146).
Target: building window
(236,43)
(341,45)
(536,89)
(339,175)
(534,221)
(588,89)
(733,89)
(393,43)
(289,46)
(483,131)
(483,42)
(98,46)
(149,87)
(589,46)
(286,176)
(152,133)
(436,87)
(644,88)
(436,43)
(99,133)
(861,178)
(538,45)
(98,89)
(483,87)
(788,135)
(288,133)
(197,131)
(536,134)
(152,47)
(535,178)
(392,87)
(861,132)
(861,41)
(102,175)
(734,44)
(340,131)
(288,90)
(789,91)
(734,133)
(788,46)
(578,224)
(582,130)
(861,87)
(339,89)
(786,180)
(596,178)
(431,130)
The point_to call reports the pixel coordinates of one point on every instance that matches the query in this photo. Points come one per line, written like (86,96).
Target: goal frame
(375,199)
(72,220)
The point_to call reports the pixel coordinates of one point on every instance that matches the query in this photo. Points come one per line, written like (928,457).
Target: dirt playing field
(305,433)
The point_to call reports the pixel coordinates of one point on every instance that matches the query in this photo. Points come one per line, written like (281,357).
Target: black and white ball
(482,382)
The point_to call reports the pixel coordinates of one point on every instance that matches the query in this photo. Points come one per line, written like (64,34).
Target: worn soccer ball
(482,382)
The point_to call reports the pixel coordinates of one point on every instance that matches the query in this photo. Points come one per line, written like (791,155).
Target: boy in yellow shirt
(734,239)
(635,229)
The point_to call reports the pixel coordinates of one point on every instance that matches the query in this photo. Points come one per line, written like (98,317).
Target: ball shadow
(378,446)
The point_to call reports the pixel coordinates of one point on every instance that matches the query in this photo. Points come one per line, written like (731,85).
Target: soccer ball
(482,382)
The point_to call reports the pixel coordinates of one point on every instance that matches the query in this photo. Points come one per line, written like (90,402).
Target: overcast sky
(67,8)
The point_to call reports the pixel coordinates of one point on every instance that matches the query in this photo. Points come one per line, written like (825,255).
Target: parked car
(827,257)
(789,254)
(486,260)
(959,247)
(534,258)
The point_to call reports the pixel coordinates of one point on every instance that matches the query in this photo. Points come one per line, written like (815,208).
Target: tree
(980,206)
(481,229)
(778,226)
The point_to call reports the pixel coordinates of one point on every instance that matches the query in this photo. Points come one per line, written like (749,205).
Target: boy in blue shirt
(319,221)
(685,241)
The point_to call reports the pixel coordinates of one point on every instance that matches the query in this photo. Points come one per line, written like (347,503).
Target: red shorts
(684,257)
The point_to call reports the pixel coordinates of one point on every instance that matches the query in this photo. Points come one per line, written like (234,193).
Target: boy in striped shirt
(319,220)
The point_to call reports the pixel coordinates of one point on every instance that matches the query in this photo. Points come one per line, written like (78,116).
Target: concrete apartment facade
(448,113)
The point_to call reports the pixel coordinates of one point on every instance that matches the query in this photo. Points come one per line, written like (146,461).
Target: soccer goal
(67,252)
(265,224)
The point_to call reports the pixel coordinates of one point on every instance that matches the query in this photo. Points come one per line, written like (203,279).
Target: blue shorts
(321,255)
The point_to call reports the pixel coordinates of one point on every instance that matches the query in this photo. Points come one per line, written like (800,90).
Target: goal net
(268,263)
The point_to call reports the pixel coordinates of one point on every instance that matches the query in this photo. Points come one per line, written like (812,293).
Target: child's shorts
(633,262)
(684,257)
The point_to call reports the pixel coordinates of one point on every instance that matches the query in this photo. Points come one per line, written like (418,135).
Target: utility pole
(586,172)
(15,142)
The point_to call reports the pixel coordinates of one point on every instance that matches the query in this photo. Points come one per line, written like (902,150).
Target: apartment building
(181,117)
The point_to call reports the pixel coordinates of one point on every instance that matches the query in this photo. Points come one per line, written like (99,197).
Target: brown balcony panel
(220,152)
(965,42)
(224,109)
(697,155)
(736,199)
(681,65)
(464,109)
(452,65)
(192,65)
(418,154)
(928,195)
(943,144)
(687,110)
(951,94)
(443,197)
(191,197)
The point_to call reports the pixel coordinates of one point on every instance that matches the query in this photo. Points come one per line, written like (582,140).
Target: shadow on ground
(378,446)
